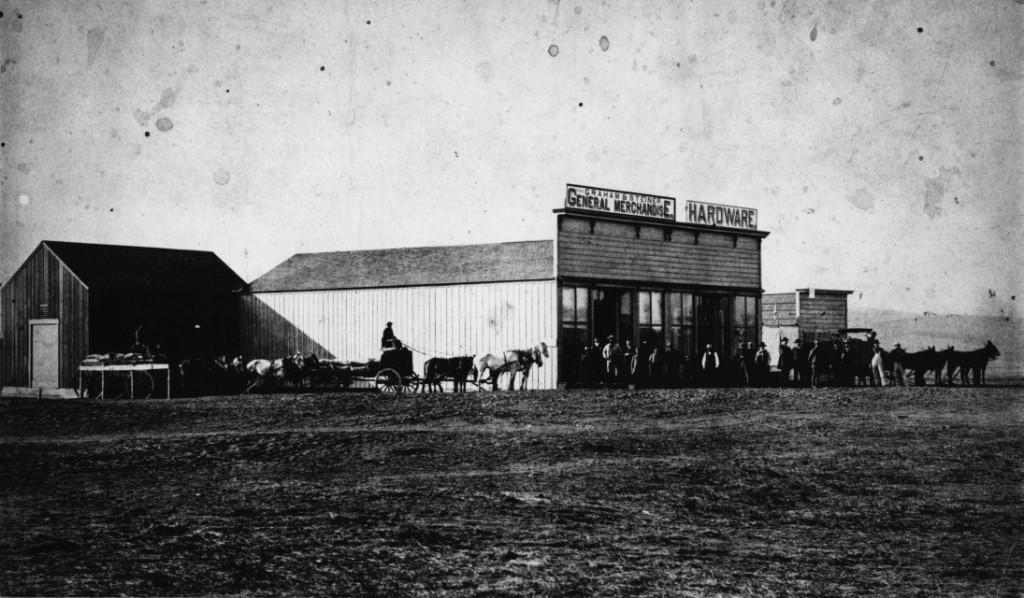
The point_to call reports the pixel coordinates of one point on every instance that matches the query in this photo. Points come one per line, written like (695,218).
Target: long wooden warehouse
(69,300)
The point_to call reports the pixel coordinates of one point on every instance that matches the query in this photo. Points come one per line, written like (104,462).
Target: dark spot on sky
(1,14)
(837,101)
(367,22)
(920,30)
(814,33)
(111,209)
(388,83)
(992,63)
(553,50)
(679,64)
(3,145)
(920,158)
(581,104)
(322,68)
(227,91)
(147,133)
(1013,297)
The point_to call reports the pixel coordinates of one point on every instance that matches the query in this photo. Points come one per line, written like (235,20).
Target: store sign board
(620,203)
(724,216)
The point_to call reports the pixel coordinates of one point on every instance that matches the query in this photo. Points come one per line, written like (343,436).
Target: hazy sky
(880,141)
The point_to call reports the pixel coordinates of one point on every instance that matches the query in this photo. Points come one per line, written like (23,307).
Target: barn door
(45,351)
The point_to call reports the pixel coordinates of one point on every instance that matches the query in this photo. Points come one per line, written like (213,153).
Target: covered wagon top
(411,266)
(129,268)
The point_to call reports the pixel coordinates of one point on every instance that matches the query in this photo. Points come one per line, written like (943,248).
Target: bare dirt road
(731,492)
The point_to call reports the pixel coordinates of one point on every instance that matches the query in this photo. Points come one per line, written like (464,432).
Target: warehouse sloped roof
(129,268)
(411,266)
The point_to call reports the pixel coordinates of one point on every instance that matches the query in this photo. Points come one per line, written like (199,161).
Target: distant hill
(919,331)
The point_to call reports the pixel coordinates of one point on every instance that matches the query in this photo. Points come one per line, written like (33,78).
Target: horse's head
(540,352)
(990,350)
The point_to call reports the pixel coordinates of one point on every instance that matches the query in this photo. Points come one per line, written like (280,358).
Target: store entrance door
(713,317)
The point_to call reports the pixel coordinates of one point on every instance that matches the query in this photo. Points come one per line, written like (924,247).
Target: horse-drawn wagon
(391,374)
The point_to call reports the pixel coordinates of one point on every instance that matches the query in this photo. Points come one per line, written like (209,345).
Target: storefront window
(744,320)
(575,310)
(651,318)
(680,322)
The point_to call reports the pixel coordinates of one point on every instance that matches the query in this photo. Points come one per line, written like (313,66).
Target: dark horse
(922,362)
(437,369)
(971,361)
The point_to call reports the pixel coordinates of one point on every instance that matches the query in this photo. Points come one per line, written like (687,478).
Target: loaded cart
(391,374)
(113,378)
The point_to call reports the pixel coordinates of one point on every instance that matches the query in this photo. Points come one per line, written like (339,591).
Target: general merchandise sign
(724,216)
(623,203)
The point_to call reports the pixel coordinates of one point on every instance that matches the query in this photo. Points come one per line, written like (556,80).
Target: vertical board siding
(43,280)
(440,321)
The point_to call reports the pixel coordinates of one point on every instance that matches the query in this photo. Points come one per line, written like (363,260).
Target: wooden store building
(617,264)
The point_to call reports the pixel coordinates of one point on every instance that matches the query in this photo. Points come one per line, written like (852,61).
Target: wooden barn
(618,263)
(69,300)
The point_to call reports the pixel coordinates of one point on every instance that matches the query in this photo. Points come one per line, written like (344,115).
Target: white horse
(279,370)
(511,361)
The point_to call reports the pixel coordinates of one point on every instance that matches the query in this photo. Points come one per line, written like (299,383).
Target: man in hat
(591,363)
(802,365)
(612,354)
(898,357)
(709,364)
(785,361)
(877,367)
(762,365)
(387,338)
(817,361)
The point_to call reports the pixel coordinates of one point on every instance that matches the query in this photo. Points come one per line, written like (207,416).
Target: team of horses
(225,375)
(849,363)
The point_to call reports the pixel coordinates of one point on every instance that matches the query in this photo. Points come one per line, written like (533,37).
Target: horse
(289,368)
(922,362)
(967,361)
(511,361)
(437,369)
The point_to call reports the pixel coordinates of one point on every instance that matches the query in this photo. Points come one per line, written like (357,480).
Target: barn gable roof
(411,266)
(128,268)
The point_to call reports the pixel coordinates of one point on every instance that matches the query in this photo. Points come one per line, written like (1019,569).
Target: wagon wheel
(389,381)
(410,384)
(141,385)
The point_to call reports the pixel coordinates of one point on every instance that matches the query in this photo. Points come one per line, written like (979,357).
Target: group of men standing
(806,363)
(611,362)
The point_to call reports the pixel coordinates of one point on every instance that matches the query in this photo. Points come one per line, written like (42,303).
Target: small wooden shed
(68,300)
(808,314)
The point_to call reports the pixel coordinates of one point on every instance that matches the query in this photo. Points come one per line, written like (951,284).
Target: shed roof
(129,268)
(411,266)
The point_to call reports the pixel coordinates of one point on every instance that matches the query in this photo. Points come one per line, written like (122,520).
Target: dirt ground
(721,492)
